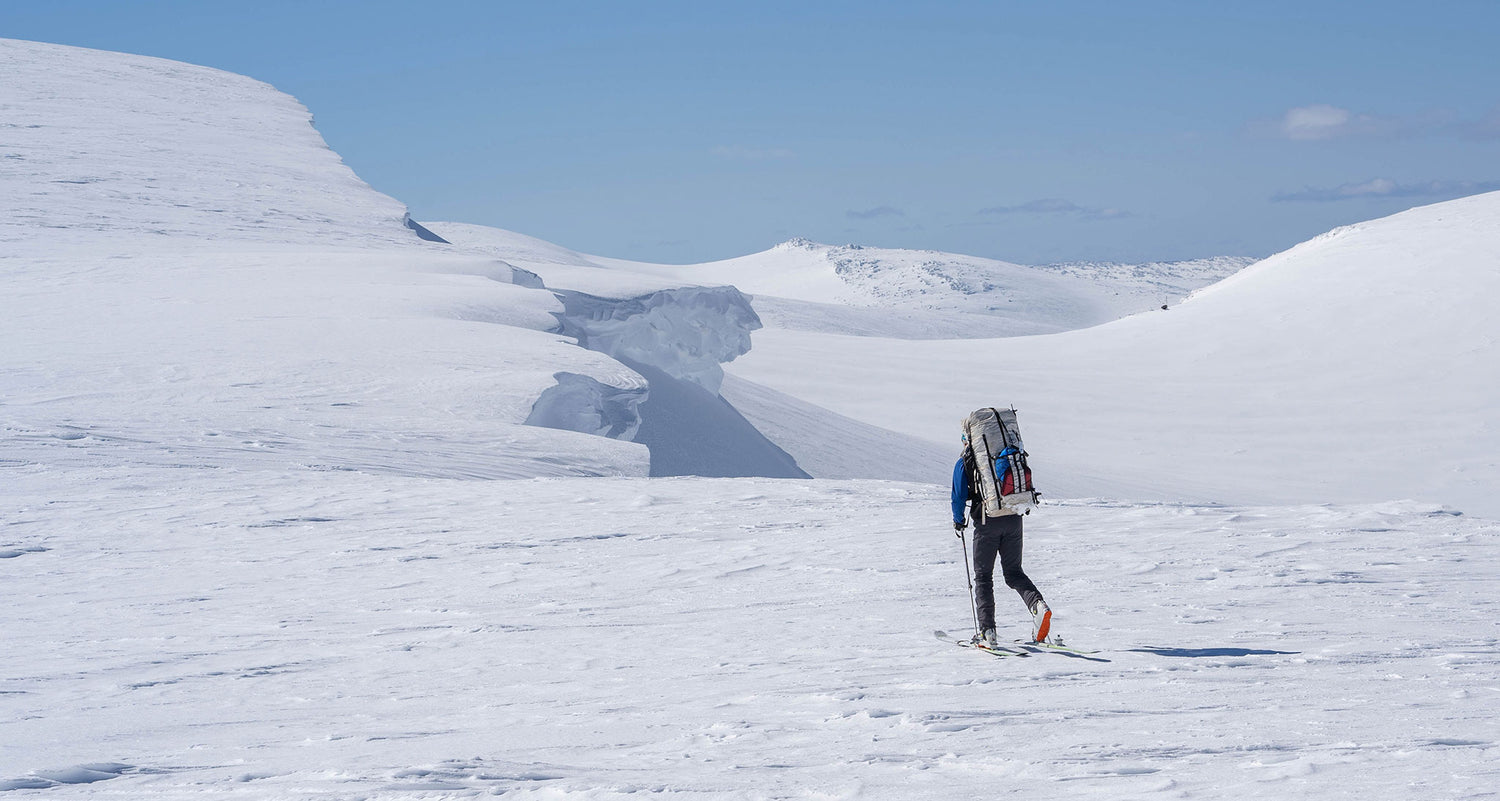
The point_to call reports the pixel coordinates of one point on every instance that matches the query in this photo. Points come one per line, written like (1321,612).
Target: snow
(377,636)
(801,285)
(687,333)
(1357,367)
(297,504)
(107,147)
(224,290)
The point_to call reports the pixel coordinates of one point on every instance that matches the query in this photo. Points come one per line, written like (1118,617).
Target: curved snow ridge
(112,144)
(675,340)
(687,333)
(802,285)
(589,406)
(871,282)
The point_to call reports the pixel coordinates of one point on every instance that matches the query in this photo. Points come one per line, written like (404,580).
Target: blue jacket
(962,487)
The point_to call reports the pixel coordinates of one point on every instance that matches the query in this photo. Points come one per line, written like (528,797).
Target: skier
(998,535)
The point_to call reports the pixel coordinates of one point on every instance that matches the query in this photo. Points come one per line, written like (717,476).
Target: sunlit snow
(296,503)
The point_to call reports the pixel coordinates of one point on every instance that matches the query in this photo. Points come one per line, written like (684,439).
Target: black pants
(999,536)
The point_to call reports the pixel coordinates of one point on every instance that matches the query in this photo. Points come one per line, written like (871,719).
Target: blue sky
(1025,131)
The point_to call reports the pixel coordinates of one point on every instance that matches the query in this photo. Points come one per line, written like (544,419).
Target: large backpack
(1000,461)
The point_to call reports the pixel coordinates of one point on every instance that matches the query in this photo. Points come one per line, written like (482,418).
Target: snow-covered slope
(106,146)
(804,286)
(192,277)
(187,264)
(801,287)
(1361,365)
(553,264)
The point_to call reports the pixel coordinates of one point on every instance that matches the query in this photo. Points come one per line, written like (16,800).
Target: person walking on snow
(994,536)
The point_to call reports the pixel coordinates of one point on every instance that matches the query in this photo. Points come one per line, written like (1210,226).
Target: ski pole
(969,577)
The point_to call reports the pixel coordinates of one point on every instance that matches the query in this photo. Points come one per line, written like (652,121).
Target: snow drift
(801,286)
(687,333)
(1358,366)
(192,277)
(678,339)
(166,219)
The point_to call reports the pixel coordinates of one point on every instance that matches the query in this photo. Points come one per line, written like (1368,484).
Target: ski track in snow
(272,634)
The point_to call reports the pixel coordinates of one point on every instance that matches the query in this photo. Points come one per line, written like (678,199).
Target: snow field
(1357,367)
(299,635)
(250,544)
(353,359)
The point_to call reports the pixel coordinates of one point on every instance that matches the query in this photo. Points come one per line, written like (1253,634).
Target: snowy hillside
(297,504)
(193,277)
(1358,366)
(804,286)
(1165,281)
(800,286)
(108,147)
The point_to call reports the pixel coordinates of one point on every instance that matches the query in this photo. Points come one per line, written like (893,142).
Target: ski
(971,644)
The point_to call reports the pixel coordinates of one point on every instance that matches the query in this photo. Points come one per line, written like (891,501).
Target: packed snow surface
(296,503)
(284,634)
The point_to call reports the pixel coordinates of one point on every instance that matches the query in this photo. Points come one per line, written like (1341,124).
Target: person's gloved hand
(959,526)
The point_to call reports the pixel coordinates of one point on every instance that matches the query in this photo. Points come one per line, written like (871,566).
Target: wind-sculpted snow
(106,147)
(193,278)
(586,405)
(421,232)
(678,339)
(687,333)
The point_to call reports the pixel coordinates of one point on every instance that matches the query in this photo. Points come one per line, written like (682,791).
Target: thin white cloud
(1323,122)
(1320,121)
(1384,187)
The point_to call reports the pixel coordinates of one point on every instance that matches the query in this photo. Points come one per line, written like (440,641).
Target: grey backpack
(1000,459)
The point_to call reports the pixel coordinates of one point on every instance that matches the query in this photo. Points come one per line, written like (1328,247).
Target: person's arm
(960,493)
